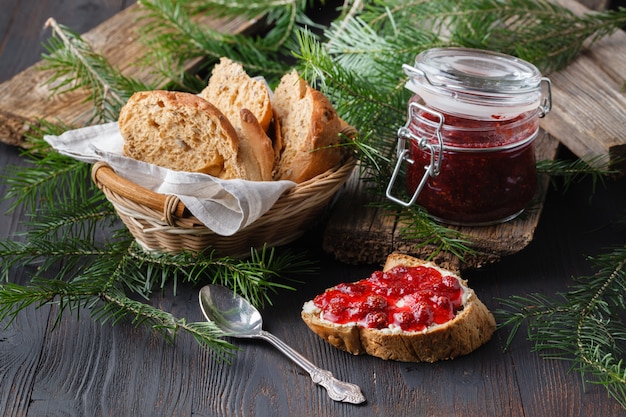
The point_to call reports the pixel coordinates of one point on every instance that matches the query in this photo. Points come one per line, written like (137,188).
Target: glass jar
(469,136)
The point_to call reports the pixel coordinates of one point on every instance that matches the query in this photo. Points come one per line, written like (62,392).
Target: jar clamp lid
(467,83)
(478,84)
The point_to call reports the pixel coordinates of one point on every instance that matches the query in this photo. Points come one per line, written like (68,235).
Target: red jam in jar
(487,173)
(408,298)
(471,129)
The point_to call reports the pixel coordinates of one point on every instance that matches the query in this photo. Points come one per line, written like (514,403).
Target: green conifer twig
(75,65)
(584,326)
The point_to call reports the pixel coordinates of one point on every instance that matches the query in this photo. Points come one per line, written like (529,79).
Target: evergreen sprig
(571,172)
(49,177)
(118,307)
(539,31)
(585,325)
(174,37)
(99,276)
(106,305)
(73,65)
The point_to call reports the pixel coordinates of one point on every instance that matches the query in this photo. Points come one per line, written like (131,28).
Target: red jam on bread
(412,298)
(411,311)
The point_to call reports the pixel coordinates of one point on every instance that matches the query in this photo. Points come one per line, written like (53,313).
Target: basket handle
(103,175)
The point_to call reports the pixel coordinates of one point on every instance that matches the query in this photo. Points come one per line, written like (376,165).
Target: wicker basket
(162,223)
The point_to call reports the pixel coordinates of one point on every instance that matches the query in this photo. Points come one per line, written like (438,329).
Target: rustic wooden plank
(358,233)
(589,101)
(20,355)
(25,98)
(593,124)
(20,341)
(129,355)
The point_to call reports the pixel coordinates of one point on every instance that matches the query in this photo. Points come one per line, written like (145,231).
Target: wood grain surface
(85,368)
(589,100)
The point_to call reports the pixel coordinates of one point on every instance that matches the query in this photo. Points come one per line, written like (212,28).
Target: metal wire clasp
(402,153)
(546,104)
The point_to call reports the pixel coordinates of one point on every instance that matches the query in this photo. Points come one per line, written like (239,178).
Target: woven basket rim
(170,206)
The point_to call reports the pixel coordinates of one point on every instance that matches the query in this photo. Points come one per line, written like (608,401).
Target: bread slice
(309,129)
(180,131)
(231,89)
(256,148)
(246,103)
(471,326)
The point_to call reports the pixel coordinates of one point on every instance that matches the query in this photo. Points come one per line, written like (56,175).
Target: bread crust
(256,147)
(180,131)
(309,127)
(471,327)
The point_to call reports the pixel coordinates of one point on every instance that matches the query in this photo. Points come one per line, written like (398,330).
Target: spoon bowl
(230,312)
(236,317)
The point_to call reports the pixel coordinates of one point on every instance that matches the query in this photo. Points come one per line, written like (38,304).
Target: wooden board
(26,98)
(359,233)
(589,100)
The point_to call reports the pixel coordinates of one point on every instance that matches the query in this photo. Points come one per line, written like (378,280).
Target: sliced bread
(231,89)
(255,147)
(246,103)
(180,131)
(412,311)
(309,130)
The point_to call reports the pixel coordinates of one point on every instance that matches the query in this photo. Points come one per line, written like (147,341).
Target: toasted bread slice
(180,131)
(471,326)
(309,129)
(231,89)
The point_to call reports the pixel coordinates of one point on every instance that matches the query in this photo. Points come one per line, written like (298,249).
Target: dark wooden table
(84,368)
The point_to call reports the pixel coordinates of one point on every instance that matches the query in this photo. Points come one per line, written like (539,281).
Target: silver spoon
(238,318)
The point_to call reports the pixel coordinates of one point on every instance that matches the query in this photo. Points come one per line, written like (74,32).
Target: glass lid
(475,69)
(475,83)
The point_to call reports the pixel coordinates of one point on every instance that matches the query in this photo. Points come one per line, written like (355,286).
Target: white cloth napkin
(224,206)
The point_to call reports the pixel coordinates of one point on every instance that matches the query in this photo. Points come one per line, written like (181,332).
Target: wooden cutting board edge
(358,233)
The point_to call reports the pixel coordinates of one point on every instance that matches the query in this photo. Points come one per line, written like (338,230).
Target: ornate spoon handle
(337,390)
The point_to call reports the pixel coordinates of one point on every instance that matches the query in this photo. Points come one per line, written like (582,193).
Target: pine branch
(539,31)
(282,17)
(99,279)
(254,278)
(173,37)
(75,65)
(544,33)
(106,304)
(584,326)
(119,307)
(14,298)
(49,177)
(573,171)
